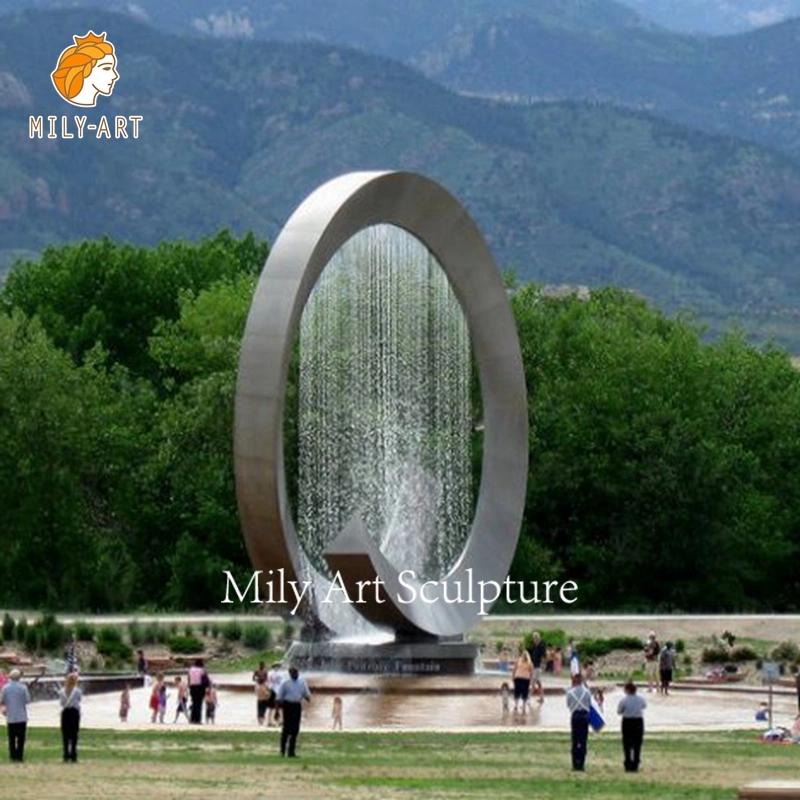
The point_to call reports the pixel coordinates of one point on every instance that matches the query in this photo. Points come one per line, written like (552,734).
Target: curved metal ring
(318,228)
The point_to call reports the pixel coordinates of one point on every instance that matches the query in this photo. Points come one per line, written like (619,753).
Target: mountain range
(716,17)
(531,50)
(235,132)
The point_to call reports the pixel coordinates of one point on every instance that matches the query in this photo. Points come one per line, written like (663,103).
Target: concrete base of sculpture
(391,658)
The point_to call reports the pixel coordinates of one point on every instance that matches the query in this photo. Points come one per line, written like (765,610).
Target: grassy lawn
(220,764)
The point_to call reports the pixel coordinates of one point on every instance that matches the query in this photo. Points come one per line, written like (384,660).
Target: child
(181,701)
(599,698)
(162,701)
(504,696)
(502,662)
(336,713)
(262,701)
(125,703)
(762,714)
(557,662)
(275,678)
(211,704)
(154,700)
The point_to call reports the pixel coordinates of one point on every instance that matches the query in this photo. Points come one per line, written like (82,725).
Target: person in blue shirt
(14,700)
(579,701)
(290,696)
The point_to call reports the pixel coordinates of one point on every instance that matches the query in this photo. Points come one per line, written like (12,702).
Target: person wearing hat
(14,700)
(651,651)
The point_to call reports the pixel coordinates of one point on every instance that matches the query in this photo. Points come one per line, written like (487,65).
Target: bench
(160,663)
(769,790)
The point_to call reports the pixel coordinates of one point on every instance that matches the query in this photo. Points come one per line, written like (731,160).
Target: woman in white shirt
(70,699)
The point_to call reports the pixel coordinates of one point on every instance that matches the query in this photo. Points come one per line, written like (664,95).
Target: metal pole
(770,705)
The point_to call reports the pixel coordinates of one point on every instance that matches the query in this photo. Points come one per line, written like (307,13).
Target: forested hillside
(743,86)
(236,133)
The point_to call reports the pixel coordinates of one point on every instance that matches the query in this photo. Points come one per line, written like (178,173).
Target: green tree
(114,295)
(637,486)
(62,432)
(189,511)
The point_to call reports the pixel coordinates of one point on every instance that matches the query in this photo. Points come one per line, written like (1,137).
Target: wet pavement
(436,703)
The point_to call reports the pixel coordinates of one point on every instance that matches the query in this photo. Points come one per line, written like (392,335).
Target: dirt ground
(773,628)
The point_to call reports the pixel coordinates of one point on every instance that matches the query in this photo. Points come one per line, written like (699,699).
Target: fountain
(391,291)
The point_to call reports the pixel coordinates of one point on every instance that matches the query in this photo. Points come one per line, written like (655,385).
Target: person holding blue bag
(631,708)
(579,703)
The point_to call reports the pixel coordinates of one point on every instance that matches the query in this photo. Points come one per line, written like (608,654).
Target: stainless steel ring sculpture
(327,218)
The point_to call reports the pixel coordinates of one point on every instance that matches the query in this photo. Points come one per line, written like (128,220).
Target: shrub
(8,627)
(153,633)
(185,644)
(256,637)
(680,646)
(785,651)
(31,640)
(136,633)
(717,654)
(288,632)
(84,632)
(593,648)
(48,634)
(111,646)
(232,631)
(552,638)
(743,653)
(21,630)
(188,630)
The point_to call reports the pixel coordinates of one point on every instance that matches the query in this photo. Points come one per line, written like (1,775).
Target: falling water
(384,425)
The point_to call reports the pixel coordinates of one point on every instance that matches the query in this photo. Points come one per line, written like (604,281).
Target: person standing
(631,708)
(291,694)
(579,701)
(70,699)
(573,659)
(198,683)
(181,701)
(666,664)
(211,703)
(651,651)
(275,678)
(522,675)
(797,687)
(14,699)
(155,691)
(141,663)
(125,703)
(260,674)
(537,652)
